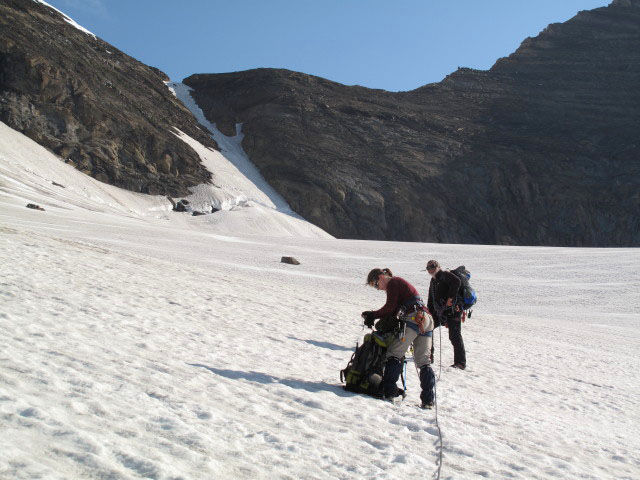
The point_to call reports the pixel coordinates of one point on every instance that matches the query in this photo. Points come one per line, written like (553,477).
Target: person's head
(379,277)
(433,267)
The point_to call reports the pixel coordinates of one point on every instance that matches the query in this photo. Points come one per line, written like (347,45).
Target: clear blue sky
(388,44)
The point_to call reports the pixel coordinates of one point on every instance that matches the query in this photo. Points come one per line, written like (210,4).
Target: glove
(368,318)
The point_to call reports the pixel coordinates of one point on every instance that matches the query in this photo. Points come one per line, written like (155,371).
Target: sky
(394,46)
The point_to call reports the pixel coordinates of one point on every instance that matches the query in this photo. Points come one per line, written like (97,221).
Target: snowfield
(137,342)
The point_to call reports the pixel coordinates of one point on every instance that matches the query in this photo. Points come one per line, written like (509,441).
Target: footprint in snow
(376,443)
(142,467)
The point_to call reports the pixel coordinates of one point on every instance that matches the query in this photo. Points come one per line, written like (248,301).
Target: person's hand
(449,302)
(368,318)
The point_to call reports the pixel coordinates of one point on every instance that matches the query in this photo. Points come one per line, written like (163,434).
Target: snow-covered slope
(30,173)
(231,149)
(140,347)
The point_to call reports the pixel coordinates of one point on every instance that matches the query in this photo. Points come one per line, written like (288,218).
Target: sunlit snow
(137,342)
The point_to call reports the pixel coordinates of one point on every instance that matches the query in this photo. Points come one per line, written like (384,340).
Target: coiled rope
(435,401)
(435,398)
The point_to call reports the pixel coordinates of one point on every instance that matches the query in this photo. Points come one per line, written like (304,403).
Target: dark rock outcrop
(182,206)
(542,149)
(106,113)
(289,260)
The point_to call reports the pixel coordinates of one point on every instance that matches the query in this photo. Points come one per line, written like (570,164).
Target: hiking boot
(398,397)
(460,366)
(393,400)
(427,406)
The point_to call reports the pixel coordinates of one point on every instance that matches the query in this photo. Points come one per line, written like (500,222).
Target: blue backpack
(467,296)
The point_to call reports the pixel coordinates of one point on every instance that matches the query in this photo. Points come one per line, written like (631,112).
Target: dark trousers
(455,337)
(392,371)
(427,384)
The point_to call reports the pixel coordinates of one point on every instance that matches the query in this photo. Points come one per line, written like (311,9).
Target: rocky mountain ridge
(104,112)
(542,149)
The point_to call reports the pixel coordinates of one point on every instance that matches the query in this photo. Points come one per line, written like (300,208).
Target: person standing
(443,289)
(416,329)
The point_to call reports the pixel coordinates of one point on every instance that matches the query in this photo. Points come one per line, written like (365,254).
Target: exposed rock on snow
(34,206)
(289,260)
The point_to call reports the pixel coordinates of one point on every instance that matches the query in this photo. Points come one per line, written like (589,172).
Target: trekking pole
(440,352)
(435,398)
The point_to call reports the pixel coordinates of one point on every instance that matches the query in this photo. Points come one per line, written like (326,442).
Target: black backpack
(363,373)
(467,296)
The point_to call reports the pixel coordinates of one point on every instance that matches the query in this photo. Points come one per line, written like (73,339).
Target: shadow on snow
(264,378)
(330,346)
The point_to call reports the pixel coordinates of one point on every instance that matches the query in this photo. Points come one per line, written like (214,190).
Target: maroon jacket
(399,291)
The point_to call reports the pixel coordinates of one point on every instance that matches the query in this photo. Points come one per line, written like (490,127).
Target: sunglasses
(374,284)
(431,268)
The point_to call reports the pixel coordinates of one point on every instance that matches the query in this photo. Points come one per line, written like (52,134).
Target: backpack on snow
(363,373)
(467,296)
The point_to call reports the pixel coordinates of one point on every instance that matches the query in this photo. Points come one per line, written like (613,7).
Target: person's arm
(430,299)
(393,291)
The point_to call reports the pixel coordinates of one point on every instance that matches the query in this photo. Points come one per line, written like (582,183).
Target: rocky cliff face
(542,149)
(108,114)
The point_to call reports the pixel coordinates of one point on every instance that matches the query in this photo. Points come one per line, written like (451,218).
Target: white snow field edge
(136,342)
(67,19)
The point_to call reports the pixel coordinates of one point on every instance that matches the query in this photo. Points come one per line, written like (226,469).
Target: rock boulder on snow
(289,260)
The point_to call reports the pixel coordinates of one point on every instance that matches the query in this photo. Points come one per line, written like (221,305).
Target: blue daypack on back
(467,296)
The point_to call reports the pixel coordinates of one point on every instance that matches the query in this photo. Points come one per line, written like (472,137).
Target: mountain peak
(625,3)
(524,144)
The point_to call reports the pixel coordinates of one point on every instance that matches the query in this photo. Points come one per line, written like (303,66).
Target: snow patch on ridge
(67,19)
(231,149)
(229,187)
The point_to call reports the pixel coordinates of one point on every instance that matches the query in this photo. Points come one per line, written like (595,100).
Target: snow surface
(67,19)
(136,342)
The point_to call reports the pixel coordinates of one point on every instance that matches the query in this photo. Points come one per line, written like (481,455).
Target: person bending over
(416,328)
